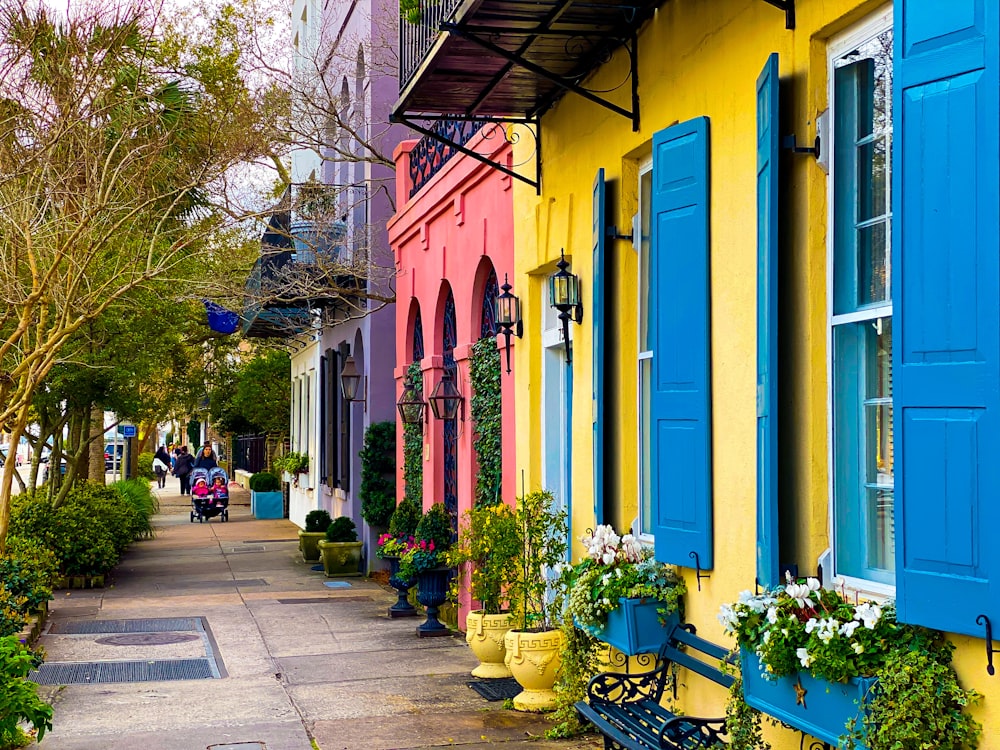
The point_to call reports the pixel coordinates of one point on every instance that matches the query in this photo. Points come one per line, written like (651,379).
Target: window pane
(645,208)
(873,271)
(871,180)
(645,465)
(881,529)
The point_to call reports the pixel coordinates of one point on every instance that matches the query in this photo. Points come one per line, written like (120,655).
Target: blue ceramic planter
(634,627)
(823,709)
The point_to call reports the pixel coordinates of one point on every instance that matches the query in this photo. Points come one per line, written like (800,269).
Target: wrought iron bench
(626,708)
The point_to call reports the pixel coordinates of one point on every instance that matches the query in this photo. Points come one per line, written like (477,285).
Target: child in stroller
(207,499)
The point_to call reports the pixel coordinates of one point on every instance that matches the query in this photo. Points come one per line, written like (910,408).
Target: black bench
(626,708)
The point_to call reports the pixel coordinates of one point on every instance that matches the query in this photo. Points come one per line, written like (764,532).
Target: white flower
(772,616)
(804,657)
(767,637)
(858,648)
(827,629)
(869,614)
(848,629)
(811,624)
(608,557)
(728,618)
(800,592)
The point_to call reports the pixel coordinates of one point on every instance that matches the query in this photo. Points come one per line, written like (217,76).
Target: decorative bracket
(789,7)
(613,234)
(630,44)
(534,126)
(984,620)
(789,144)
(697,568)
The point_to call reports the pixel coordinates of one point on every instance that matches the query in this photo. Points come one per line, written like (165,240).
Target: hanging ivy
(413,448)
(484,367)
(378,473)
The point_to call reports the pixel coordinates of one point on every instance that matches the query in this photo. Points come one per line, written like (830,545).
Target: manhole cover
(147,639)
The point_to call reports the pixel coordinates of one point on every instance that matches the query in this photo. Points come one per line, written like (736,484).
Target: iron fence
(250,453)
(416,39)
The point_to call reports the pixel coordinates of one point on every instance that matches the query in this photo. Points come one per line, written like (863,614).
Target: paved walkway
(301,665)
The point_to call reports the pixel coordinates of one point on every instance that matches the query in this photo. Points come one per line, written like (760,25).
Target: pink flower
(431,547)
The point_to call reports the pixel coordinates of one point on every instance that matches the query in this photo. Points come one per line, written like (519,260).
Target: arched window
(448,343)
(488,326)
(418,338)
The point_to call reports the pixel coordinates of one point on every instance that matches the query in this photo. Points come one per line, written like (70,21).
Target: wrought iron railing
(250,453)
(416,39)
(430,154)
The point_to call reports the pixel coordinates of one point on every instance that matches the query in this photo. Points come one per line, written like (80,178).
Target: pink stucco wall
(450,233)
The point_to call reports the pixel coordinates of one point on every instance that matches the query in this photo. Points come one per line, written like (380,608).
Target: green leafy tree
(378,474)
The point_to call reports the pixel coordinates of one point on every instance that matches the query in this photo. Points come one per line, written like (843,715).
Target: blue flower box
(634,626)
(823,709)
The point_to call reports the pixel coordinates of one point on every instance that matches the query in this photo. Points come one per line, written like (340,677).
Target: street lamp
(564,296)
(508,308)
(411,404)
(350,380)
(445,399)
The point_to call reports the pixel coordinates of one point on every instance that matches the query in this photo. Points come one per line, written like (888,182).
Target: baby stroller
(209,494)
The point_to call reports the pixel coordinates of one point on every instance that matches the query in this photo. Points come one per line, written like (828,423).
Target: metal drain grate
(89,673)
(325,600)
(149,625)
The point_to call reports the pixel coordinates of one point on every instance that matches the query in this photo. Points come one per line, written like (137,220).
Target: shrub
(145,467)
(378,473)
(28,569)
(435,526)
(264,481)
(405,518)
(139,494)
(13,611)
(19,699)
(318,520)
(341,530)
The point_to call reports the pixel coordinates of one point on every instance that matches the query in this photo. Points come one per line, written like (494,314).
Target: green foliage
(413,449)
(139,494)
(918,702)
(487,414)
(431,541)
(19,699)
(264,481)
(490,543)
(581,660)
(318,520)
(145,467)
(293,462)
(14,610)
(253,396)
(27,572)
(410,10)
(535,600)
(342,529)
(743,723)
(378,474)
(435,526)
(405,518)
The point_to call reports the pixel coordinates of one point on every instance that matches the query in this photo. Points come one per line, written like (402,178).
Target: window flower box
(815,706)
(633,627)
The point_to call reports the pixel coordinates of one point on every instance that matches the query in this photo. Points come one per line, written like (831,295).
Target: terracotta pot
(485,635)
(533,660)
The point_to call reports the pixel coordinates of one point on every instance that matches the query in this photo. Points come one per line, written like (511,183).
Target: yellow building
(718,177)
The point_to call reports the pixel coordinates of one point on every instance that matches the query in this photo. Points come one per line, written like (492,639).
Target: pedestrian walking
(161,465)
(206,458)
(182,469)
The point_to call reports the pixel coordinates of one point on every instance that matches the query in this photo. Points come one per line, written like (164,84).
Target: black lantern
(350,379)
(411,404)
(564,296)
(509,316)
(445,399)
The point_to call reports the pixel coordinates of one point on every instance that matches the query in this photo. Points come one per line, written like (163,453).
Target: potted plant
(317,522)
(341,550)
(424,563)
(293,464)
(621,595)
(391,546)
(266,500)
(845,672)
(487,559)
(534,643)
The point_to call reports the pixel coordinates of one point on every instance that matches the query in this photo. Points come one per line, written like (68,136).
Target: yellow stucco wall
(702,58)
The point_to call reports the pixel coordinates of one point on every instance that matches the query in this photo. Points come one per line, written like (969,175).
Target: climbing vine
(484,368)
(378,473)
(413,449)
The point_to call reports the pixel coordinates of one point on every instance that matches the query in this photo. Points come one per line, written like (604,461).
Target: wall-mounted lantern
(411,404)
(350,381)
(564,296)
(509,316)
(445,399)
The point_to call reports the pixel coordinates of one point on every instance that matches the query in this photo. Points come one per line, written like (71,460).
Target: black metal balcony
(416,39)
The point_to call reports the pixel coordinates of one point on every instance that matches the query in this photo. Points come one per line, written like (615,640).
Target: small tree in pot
(341,550)
(317,522)
(391,546)
(424,562)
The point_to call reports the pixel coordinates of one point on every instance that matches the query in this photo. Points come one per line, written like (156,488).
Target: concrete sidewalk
(296,665)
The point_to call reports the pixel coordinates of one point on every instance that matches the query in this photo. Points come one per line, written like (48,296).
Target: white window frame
(836,48)
(645,167)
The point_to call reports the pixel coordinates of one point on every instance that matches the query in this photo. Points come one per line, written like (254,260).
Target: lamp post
(411,404)
(445,399)
(350,380)
(564,296)
(508,309)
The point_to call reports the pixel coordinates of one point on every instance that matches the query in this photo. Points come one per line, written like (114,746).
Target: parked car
(45,469)
(113,456)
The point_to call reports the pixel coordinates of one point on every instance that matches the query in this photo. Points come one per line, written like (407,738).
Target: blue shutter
(682,431)
(599,234)
(768,573)
(946,292)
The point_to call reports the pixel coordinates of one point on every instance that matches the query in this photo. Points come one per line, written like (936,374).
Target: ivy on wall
(378,473)
(413,448)
(484,368)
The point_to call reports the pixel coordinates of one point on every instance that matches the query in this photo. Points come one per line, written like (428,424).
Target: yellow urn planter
(533,660)
(485,635)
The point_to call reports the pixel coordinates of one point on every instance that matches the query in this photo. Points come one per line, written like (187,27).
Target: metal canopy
(514,58)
